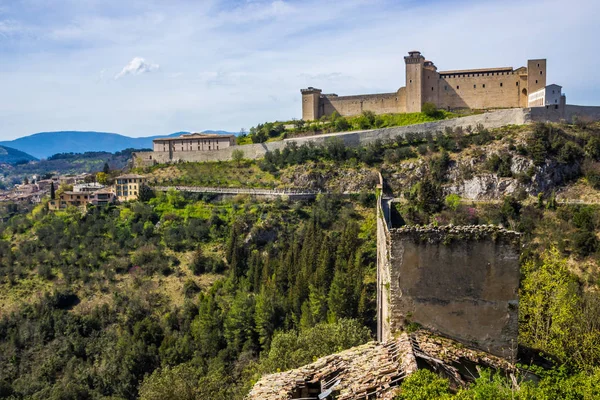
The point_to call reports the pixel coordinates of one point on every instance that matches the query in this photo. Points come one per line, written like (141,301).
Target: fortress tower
(311,103)
(414,81)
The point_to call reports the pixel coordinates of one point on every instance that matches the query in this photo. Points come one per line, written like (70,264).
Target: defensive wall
(490,120)
(459,281)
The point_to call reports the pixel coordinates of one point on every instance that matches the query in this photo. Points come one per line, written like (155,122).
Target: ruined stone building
(502,87)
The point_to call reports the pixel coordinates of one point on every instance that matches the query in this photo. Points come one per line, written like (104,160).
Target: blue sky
(148,67)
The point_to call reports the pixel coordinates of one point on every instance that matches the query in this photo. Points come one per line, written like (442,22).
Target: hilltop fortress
(503,87)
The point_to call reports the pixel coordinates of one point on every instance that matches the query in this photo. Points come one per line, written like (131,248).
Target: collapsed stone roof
(376,370)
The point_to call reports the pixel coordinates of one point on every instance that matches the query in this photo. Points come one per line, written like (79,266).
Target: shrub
(429,196)
(404,153)
(424,385)
(430,110)
(569,153)
(585,243)
(439,166)
(452,201)
(422,149)
(366,199)
(592,148)
(341,124)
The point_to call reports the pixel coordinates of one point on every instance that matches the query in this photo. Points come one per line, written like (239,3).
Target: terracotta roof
(476,71)
(129,176)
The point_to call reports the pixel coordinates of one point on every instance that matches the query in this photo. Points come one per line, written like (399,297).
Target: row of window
(475,86)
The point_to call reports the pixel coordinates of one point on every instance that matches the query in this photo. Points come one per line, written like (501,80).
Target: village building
(127,187)
(103,197)
(87,187)
(69,199)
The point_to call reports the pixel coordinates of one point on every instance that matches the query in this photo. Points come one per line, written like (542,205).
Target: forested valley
(195,297)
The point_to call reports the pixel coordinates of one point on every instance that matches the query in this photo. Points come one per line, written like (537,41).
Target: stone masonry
(459,281)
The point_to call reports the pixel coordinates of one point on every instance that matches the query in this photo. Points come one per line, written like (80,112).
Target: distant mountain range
(45,144)
(9,155)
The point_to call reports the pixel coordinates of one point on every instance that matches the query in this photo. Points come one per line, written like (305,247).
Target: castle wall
(568,113)
(383,103)
(479,91)
(430,87)
(462,282)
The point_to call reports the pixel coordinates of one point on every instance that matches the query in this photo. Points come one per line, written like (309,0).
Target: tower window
(536,81)
(484,85)
(410,81)
(538,65)
(432,88)
(474,86)
(500,84)
(541,72)
(458,87)
(517,83)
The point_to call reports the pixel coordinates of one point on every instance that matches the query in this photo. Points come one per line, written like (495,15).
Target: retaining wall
(492,119)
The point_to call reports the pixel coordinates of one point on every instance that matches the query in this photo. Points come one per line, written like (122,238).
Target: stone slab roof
(376,369)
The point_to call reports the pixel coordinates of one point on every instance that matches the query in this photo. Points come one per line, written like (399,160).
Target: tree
(52,192)
(146,193)
(237,155)
(101,178)
(106,169)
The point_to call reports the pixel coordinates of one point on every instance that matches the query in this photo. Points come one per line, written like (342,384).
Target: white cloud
(137,66)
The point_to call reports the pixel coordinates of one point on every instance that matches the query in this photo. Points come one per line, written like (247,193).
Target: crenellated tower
(311,98)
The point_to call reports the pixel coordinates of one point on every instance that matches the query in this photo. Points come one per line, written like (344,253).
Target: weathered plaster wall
(462,282)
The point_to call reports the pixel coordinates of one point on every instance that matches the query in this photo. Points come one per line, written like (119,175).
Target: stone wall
(383,268)
(383,103)
(462,282)
(477,91)
(566,113)
(492,119)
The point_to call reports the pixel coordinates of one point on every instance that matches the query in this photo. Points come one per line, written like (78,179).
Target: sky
(149,67)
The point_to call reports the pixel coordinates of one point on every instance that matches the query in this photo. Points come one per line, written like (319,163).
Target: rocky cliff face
(328,177)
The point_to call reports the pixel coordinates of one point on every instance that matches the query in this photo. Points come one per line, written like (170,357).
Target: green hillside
(187,297)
